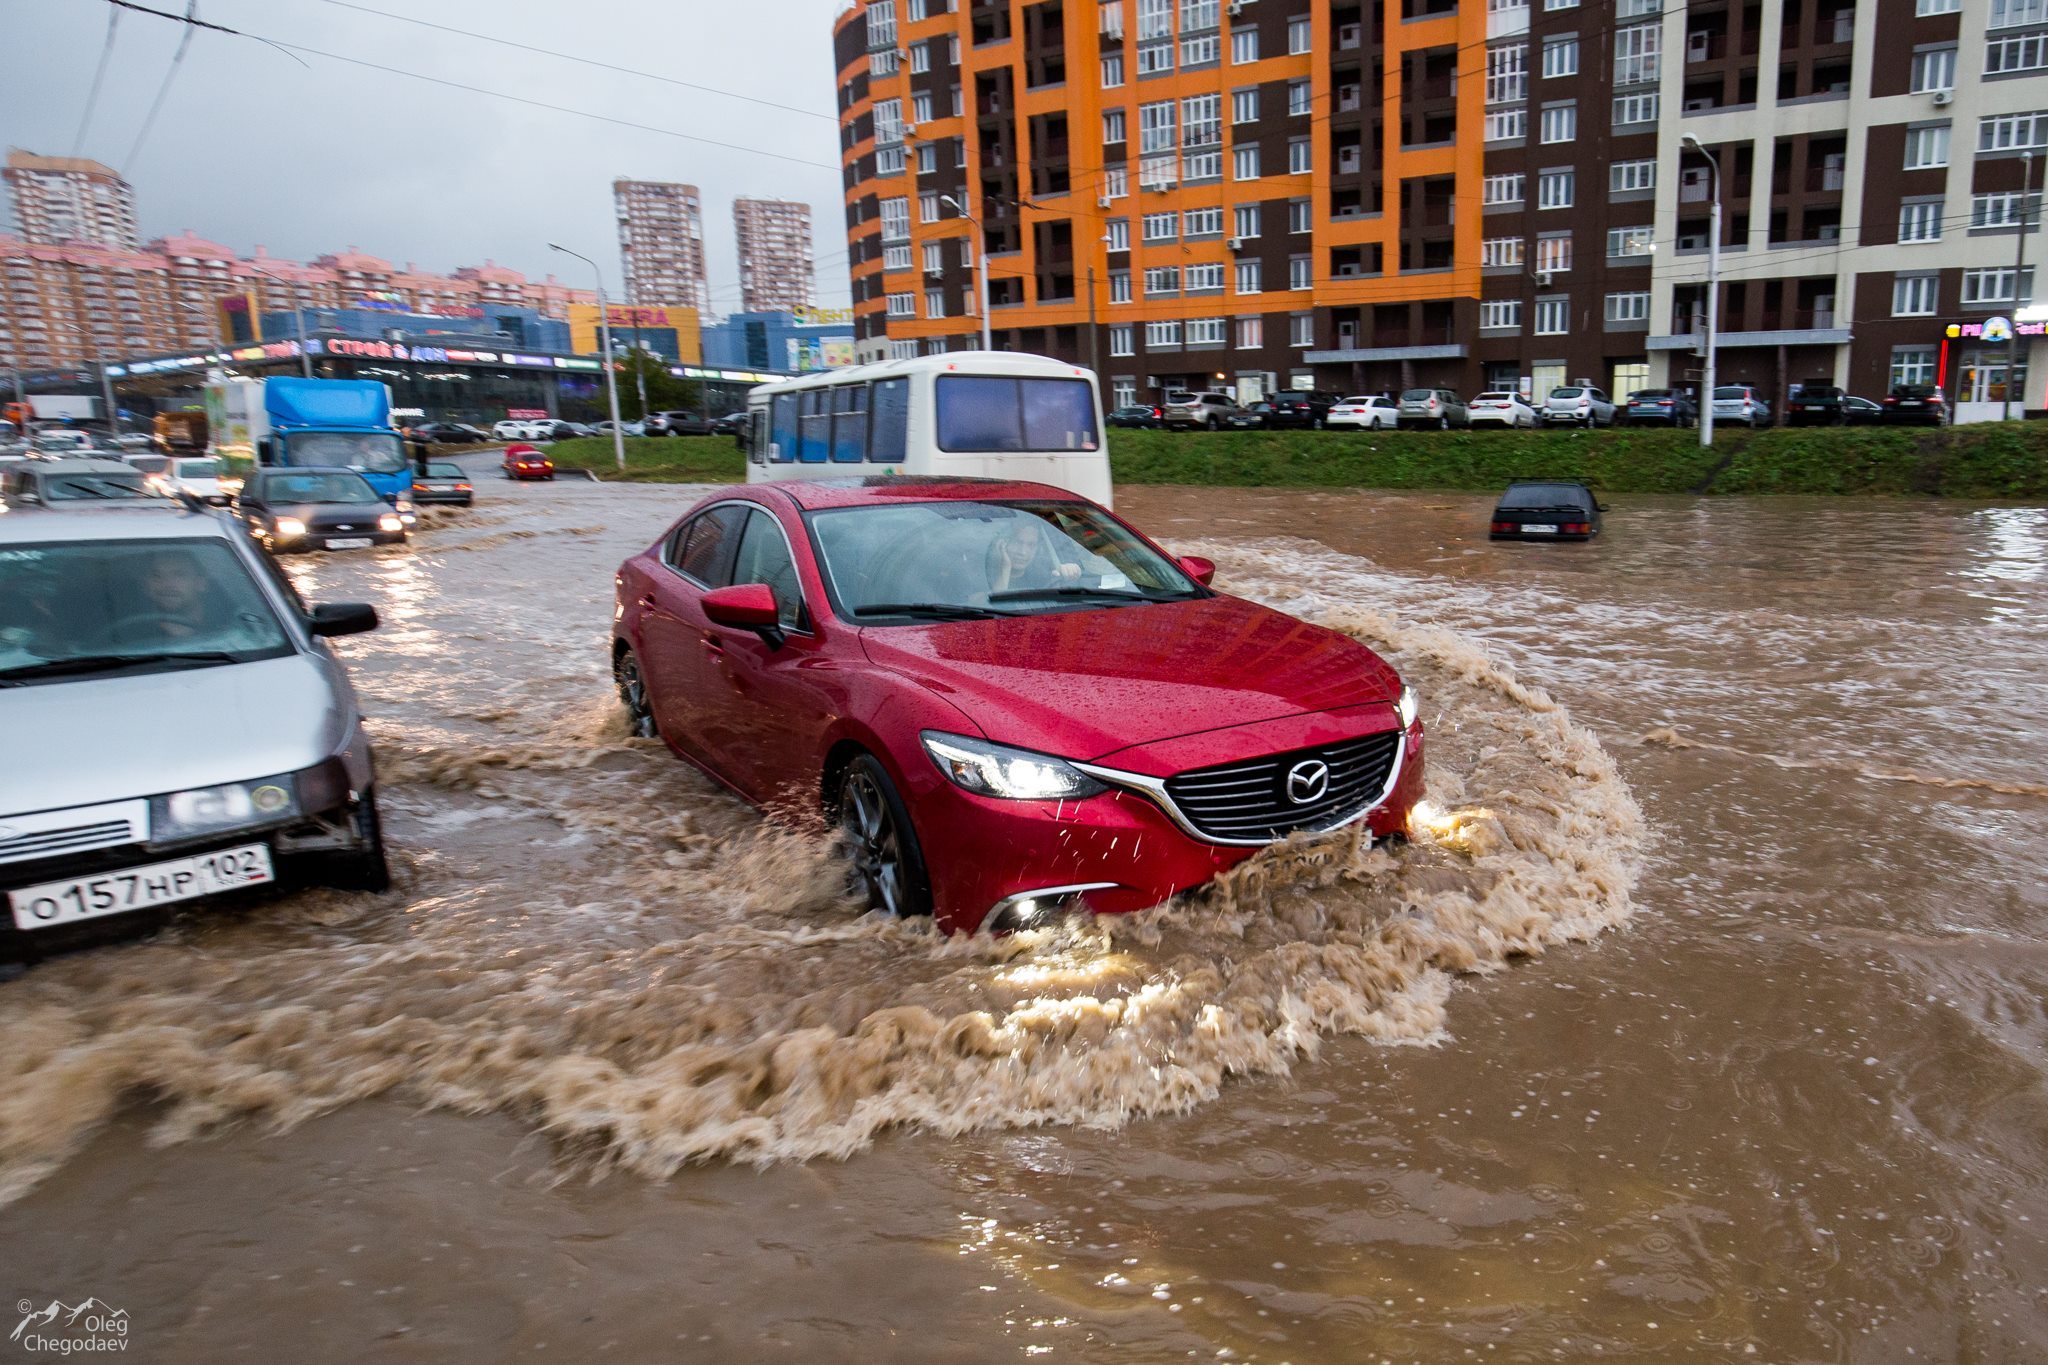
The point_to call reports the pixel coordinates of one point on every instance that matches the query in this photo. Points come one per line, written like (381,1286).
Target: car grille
(1248,802)
(51,843)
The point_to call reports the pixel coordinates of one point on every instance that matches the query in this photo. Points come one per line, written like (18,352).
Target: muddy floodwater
(1701,1020)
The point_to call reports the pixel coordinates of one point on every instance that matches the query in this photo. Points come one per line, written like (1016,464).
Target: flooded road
(1719,974)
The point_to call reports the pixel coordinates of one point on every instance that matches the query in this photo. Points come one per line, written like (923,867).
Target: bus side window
(890,407)
(782,432)
(815,425)
(850,424)
(754,437)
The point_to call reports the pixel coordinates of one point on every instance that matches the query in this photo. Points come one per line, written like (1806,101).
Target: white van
(989,414)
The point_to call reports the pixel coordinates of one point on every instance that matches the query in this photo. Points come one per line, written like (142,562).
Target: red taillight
(1576,528)
(462,488)
(1507,526)
(1891,402)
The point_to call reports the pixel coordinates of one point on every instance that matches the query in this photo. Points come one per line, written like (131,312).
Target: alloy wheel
(872,842)
(633,692)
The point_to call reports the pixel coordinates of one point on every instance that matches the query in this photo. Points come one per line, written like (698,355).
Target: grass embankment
(1985,461)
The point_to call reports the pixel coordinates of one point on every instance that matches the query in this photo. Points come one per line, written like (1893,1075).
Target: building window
(1113,125)
(927,159)
(1116,234)
(1500,315)
(1505,125)
(1920,222)
(1116,183)
(902,305)
(1934,70)
(1156,126)
(1630,241)
(920,58)
(1123,392)
(1983,287)
(1915,296)
(1205,279)
(935,303)
(1640,108)
(1555,189)
(1301,330)
(1561,123)
(2007,133)
(1501,189)
(1119,286)
(1112,71)
(1202,223)
(1635,54)
(1926,147)
(1244,161)
(1201,121)
(1298,215)
(1155,19)
(1205,332)
(1549,5)
(2029,52)
(2015,13)
(1299,103)
(1507,73)
(888,121)
(1554,253)
(1500,252)
(1300,35)
(1630,307)
(895,220)
(1244,45)
(1553,317)
(1298,156)
(1300,272)
(882,23)
(1912,365)
(1251,333)
(1161,280)
(1200,49)
(1560,57)
(1154,58)
(1245,220)
(1120,340)
(1112,21)
(1162,227)
(1926,7)
(934,258)
(1626,176)
(2002,209)
(1249,277)
(1162,336)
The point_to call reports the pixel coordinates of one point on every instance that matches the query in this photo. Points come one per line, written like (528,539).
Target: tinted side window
(782,430)
(850,424)
(815,425)
(764,558)
(702,545)
(890,402)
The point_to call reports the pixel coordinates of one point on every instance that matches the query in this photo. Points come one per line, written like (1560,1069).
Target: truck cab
(313,424)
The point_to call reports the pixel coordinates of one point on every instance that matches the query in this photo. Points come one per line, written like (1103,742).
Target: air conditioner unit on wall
(1543,279)
(1104,202)
(1237,244)
(1943,98)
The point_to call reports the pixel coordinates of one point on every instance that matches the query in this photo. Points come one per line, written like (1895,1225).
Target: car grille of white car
(53,843)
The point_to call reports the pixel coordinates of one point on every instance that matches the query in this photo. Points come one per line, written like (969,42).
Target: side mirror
(1200,569)
(746,606)
(342,618)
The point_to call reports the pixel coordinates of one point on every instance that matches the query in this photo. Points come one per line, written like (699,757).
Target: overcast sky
(253,147)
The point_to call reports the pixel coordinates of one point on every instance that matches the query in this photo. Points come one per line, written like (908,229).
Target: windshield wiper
(1075,590)
(102,663)
(937,611)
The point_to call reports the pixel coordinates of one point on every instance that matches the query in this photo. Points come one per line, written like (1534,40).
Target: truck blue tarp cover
(328,404)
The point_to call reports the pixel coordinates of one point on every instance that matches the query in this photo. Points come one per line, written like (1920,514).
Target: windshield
(1544,495)
(987,413)
(377,452)
(300,488)
(85,486)
(986,558)
(198,469)
(73,609)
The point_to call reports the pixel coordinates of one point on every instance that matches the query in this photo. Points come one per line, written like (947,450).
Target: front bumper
(1128,848)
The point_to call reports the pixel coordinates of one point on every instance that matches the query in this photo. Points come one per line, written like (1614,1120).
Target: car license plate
(1909,403)
(351,543)
(1529,529)
(138,888)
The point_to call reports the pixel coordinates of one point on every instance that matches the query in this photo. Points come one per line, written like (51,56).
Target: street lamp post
(2019,270)
(980,265)
(298,317)
(611,375)
(1713,290)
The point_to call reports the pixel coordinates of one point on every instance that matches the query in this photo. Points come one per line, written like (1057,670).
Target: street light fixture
(298,316)
(611,374)
(980,264)
(1713,290)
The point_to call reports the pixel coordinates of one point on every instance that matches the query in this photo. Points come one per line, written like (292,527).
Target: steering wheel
(120,629)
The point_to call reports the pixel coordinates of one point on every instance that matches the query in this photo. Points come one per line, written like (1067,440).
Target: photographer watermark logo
(64,1328)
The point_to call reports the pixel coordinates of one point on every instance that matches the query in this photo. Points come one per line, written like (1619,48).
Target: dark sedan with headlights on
(289,510)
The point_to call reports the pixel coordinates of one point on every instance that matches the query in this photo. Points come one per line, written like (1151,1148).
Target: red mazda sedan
(526,462)
(1007,699)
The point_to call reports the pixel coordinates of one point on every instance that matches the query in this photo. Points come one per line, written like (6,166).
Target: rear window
(438,470)
(991,413)
(1568,392)
(1359,402)
(1731,391)
(1417,395)
(1532,495)
(1649,393)
(1820,391)
(1491,397)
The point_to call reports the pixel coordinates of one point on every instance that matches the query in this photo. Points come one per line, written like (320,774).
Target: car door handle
(647,600)
(714,645)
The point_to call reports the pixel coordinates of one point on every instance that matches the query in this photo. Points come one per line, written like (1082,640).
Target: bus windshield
(982,413)
(374,452)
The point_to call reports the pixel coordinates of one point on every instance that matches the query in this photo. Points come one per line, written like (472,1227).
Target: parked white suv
(1367,412)
(1578,405)
(1206,409)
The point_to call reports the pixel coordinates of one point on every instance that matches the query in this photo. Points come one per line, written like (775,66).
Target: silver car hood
(76,743)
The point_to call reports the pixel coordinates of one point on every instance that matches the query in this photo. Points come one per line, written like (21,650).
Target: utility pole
(2019,270)
(1713,291)
(980,266)
(298,317)
(611,369)
(639,365)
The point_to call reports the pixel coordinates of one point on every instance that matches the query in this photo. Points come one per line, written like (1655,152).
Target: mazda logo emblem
(1307,781)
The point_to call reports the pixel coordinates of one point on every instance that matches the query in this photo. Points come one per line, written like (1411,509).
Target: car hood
(1083,684)
(77,743)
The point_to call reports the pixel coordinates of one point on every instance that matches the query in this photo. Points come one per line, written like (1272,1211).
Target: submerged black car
(1546,509)
(316,509)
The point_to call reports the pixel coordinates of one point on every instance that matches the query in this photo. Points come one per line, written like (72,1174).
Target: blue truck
(318,423)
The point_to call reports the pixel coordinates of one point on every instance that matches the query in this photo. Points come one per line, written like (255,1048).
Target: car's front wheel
(365,869)
(632,685)
(887,863)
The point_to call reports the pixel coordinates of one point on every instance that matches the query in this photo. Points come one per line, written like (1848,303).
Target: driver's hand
(1067,572)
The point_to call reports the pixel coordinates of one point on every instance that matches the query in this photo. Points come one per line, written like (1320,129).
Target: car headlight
(390,521)
(206,810)
(1408,707)
(998,770)
(290,526)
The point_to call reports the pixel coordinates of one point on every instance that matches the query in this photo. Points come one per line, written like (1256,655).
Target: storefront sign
(1996,329)
(822,317)
(526,414)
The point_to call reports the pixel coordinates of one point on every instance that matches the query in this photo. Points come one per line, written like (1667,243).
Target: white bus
(993,414)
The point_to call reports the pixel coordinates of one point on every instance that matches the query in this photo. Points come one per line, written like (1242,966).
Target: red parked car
(1007,698)
(526,462)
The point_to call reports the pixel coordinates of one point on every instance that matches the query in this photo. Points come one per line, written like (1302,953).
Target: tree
(665,392)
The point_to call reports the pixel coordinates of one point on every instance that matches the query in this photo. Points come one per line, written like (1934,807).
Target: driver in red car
(1032,554)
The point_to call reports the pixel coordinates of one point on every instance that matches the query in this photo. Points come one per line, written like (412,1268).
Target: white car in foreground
(1500,408)
(1366,412)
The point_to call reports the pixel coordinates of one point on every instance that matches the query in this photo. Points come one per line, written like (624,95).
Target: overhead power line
(156,106)
(99,74)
